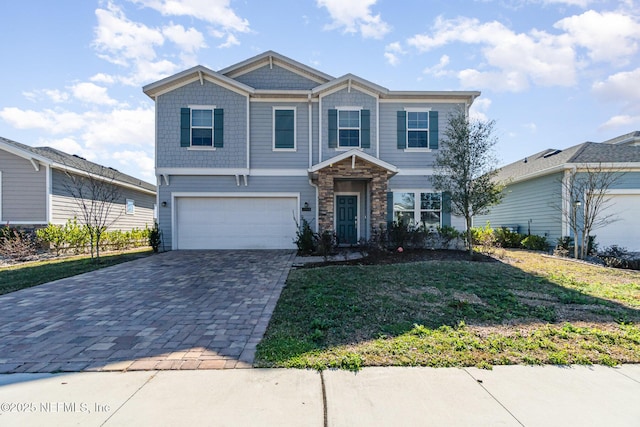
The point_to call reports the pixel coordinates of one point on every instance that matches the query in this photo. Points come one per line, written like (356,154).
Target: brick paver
(175,310)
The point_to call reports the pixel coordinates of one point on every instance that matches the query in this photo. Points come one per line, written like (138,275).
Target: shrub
(618,257)
(398,234)
(305,238)
(484,237)
(535,243)
(16,245)
(564,246)
(54,236)
(326,242)
(506,238)
(154,237)
(447,234)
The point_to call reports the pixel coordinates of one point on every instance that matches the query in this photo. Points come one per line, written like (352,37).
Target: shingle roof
(551,159)
(63,159)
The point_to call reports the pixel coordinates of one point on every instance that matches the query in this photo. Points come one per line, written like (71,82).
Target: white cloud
(439,69)
(53,122)
(623,86)
(531,127)
(355,16)
(102,78)
(231,41)
(579,3)
(608,37)
(95,135)
(621,121)
(190,40)
(217,12)
(392,53)
(479,109)
(54,95)
(121,41)
(140,160)
(92,94)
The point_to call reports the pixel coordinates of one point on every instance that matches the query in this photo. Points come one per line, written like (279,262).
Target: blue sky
(553,73)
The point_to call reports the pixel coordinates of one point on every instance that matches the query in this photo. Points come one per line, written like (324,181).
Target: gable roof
(354,153)
(199,72)
(61,160)
(326,83)
(554,160)
(274,58)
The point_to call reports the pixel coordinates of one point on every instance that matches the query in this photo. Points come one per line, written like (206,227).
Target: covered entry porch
(352,194)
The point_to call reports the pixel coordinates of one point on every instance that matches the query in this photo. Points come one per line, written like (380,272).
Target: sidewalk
(504,396)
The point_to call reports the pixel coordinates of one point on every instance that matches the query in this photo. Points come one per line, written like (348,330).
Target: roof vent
(75,155)
(525,160)
(552,153)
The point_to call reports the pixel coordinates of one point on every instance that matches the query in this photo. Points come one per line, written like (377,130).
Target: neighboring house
(35,188)
(534,196)
(244,153)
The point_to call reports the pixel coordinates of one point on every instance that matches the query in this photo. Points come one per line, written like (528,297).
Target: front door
(347,219)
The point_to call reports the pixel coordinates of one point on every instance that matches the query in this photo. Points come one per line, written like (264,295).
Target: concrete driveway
(175,310)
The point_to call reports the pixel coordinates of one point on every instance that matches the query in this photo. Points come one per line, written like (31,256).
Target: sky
(553,73)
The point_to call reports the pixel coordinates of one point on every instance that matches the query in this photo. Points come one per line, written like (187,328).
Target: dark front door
(347,218)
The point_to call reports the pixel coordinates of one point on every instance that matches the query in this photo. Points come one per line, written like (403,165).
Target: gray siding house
(535,202)
(35,190)
(245,153)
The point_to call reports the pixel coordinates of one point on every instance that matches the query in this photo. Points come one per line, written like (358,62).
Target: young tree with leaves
(465,168)
(97,197)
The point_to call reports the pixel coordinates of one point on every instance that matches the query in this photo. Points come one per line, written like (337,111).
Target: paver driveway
(175,310)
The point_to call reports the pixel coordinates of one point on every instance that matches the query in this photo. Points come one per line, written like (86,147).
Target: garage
(624,231)
(235,222)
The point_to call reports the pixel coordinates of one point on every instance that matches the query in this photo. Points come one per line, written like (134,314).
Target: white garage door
(626,230)
(235,222)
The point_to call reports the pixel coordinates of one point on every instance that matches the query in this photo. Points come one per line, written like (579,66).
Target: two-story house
(242,154)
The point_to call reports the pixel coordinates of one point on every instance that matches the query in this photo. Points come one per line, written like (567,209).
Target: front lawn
(29,274)
(527,309)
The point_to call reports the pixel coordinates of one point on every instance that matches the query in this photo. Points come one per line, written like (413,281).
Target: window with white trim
(201,126)
(417,209)
(130,207)
(284,128)
(348,128)
(417,129)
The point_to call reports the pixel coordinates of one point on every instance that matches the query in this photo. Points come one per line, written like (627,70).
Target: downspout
(248,136)
(310,105)
(320,129)
(378,126)
(49,185)
(317,213)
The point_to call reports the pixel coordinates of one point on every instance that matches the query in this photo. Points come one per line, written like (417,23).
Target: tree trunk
(469,238)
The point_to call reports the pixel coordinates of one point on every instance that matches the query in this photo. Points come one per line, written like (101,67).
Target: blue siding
(389,151)
(276,78)
(168,150)
(538,200)
(262,154)
(344,98)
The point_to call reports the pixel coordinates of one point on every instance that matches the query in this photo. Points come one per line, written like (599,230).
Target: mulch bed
(408,255)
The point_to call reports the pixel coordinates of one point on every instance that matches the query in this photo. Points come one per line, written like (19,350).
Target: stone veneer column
(378,201)
(325,202)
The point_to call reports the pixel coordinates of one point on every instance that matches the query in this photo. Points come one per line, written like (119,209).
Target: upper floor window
(284,128)
(201,126)
(418,129)
(349,127)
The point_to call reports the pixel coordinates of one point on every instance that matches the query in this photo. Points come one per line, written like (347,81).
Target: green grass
(30,274)
(454,313)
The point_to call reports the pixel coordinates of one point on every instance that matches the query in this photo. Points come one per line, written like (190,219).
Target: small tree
(96,195)
(466,167)
(586,189)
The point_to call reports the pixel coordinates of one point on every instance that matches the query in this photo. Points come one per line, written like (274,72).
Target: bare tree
(465,168)
(586,190)
(97,197)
